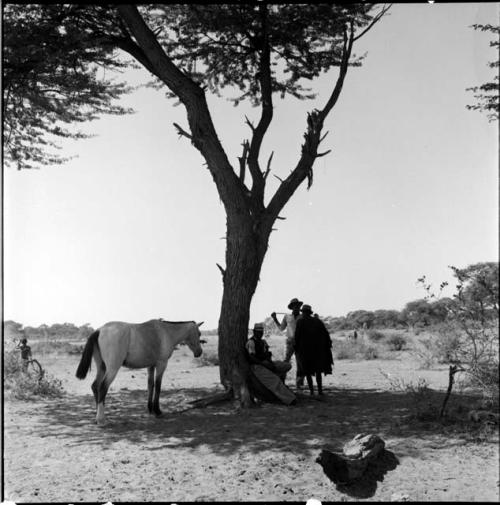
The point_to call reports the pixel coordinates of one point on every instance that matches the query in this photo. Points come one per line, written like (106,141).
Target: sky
(131,229)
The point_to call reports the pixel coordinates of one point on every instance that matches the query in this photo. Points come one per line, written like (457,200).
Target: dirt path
(54,452)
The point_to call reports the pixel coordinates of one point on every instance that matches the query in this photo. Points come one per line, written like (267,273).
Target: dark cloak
(313,346)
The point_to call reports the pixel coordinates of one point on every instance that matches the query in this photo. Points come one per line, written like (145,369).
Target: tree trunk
(245,250)
(451,378)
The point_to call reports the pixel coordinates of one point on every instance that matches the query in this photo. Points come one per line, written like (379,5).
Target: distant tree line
(477,294)
(68,331)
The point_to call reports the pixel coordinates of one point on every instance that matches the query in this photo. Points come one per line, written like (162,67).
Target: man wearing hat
(269,374)
(289,322)
(313,348)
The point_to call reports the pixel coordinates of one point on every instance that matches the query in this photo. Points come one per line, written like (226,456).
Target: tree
(386,318)
(51,79)
(418,313)
(360,319)
(259,49)
(473,318)
(488,95)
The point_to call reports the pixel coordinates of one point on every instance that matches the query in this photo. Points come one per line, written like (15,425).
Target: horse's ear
(199,324)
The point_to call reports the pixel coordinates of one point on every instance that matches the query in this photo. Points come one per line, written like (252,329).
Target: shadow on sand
(308,426)
(366,485)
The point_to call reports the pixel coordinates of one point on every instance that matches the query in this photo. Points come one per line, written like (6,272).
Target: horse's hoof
(158,414)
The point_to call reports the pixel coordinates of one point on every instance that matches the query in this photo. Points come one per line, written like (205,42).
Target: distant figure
(355,335)
(267,376)
(313,348)
(289,323)
(25,353)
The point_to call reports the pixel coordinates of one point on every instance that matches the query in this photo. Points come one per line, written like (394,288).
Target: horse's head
(193,339)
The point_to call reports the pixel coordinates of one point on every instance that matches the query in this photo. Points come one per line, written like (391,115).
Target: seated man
(269,374)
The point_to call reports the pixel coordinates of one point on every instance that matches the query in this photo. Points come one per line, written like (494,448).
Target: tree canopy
(53,77)
(487,95)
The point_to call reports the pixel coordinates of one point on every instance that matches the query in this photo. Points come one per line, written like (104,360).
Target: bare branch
(243,160)
(249,123)
(279,178)
(323,137)
(182,133)
(268,169)
(346,54)
(281,217)
(265,83)
(374,21)
(222,270)
(323,154)
(204,136)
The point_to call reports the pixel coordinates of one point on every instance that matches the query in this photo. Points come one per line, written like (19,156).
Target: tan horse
(146,345)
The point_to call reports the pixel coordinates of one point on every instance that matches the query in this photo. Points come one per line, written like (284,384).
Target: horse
(145,345)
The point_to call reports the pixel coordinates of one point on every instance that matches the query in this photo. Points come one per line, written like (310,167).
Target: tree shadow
(309,426)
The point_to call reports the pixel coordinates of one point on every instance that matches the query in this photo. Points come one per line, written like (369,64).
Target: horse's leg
(101,369)
(151,385)
(160,369)
(102,391)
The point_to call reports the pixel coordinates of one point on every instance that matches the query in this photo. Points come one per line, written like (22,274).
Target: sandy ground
(53,451)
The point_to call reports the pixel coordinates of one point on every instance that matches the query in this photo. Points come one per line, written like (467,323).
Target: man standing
(289,323)
(313,348)
(25,353)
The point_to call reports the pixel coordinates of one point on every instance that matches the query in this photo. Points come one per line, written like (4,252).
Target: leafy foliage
(23,386)
(471,331)
(220,45)
(53,75)
(488,94)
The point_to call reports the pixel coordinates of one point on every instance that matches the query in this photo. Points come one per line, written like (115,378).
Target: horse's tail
(88,351)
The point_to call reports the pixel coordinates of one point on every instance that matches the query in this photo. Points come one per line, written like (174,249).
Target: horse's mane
(175,322)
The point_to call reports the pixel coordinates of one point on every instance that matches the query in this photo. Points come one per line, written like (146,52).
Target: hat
(306,308)
(294,301)
(258,326)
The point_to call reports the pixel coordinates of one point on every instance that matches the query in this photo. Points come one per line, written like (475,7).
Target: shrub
(425,354)
(345,349)
(349,349)
(376,335)
(419,396)
(447,345)
(23,386)
(369,352)
(396,342)
(26,387)
(47,346)
(208,358)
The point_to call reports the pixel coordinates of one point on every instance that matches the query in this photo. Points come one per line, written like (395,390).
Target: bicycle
(34,369)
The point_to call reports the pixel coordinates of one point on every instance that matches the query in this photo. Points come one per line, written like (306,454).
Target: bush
(26,387)
(345,350)
(419,396)
(23,386)
(208,358)
(425,354)
(47,346)
(396,342)
(485,377)
(447,346)
(369,352)
(376,335)
(349,349)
